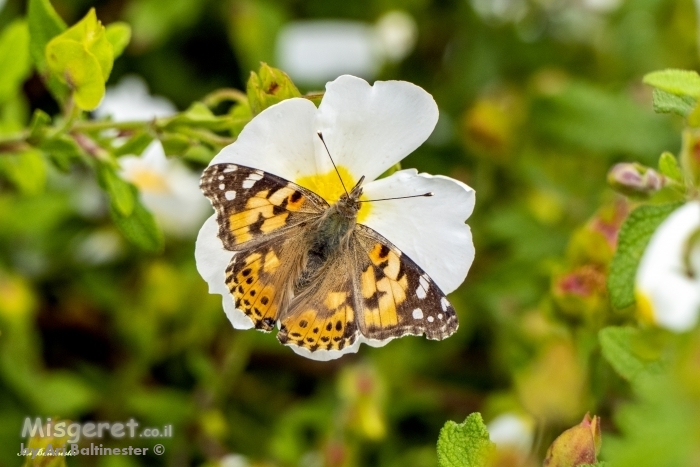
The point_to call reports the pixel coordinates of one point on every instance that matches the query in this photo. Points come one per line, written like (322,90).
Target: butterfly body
(311,268)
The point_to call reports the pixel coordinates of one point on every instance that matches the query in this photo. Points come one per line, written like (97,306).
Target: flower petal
(370,128)
(280,140)
(212,260)
(430,230)
(674,297)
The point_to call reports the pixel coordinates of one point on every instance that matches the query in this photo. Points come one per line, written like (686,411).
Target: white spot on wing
(430,319)
(230,168)
(222,187)
(417,313)
(221,177)
(230,195)
(440,316)
(251,179)
(444,303)
(424,284)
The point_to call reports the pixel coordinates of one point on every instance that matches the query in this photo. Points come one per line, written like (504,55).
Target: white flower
(511,431)
(668,278)
(367,129)
(130,100)
(166,186)
(312,52)
(168,189)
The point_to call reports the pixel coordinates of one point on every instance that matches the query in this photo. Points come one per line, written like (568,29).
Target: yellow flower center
(329,188)
(645,310)
(148,181)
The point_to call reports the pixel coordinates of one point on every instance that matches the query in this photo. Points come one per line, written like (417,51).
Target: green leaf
(135,145)
(665,102)
(80,70)
(39,124)
(26,170)
(198,115)
(62,150)
(632,241)
(14,58)
(44,25)
(623,348)
(174,144)
(679,82)
(466,444)
(82,57)
(121,193)
(597,464)
(668,166)
(139,228)
(119,35)
(394,168)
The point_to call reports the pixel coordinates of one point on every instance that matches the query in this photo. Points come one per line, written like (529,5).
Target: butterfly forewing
(398,297)
(253,206)
(258,279)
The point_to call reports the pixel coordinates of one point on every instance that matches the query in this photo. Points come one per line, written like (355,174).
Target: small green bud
(268,87)
(633,179)
(577,446)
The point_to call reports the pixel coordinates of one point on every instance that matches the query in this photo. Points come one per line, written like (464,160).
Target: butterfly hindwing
(324,315)
(398,297)
(253,206)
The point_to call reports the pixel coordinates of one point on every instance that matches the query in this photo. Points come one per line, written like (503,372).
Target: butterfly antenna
(320,135)
(430,193)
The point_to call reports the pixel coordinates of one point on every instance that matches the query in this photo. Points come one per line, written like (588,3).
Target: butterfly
(312,269)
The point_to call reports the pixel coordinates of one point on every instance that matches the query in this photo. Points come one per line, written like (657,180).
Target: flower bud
(690,155)
(577,446)
(633,179)
(268,87)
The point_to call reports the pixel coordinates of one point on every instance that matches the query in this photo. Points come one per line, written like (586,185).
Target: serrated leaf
(121,193)
(679,82)
(118,34)
(665,102)
(139,228)
(668,166)
(26,170)
(14,58)
(632,240)
(466,444)
(618,346)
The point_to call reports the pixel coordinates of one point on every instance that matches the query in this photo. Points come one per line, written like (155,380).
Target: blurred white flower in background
(130,100)
(513,435)
(167,187)
(313,52)
(233,460)
(668,278)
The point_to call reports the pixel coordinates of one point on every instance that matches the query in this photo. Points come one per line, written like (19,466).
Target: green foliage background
(534,111)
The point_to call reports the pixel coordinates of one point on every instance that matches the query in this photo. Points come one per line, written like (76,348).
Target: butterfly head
(349,204)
